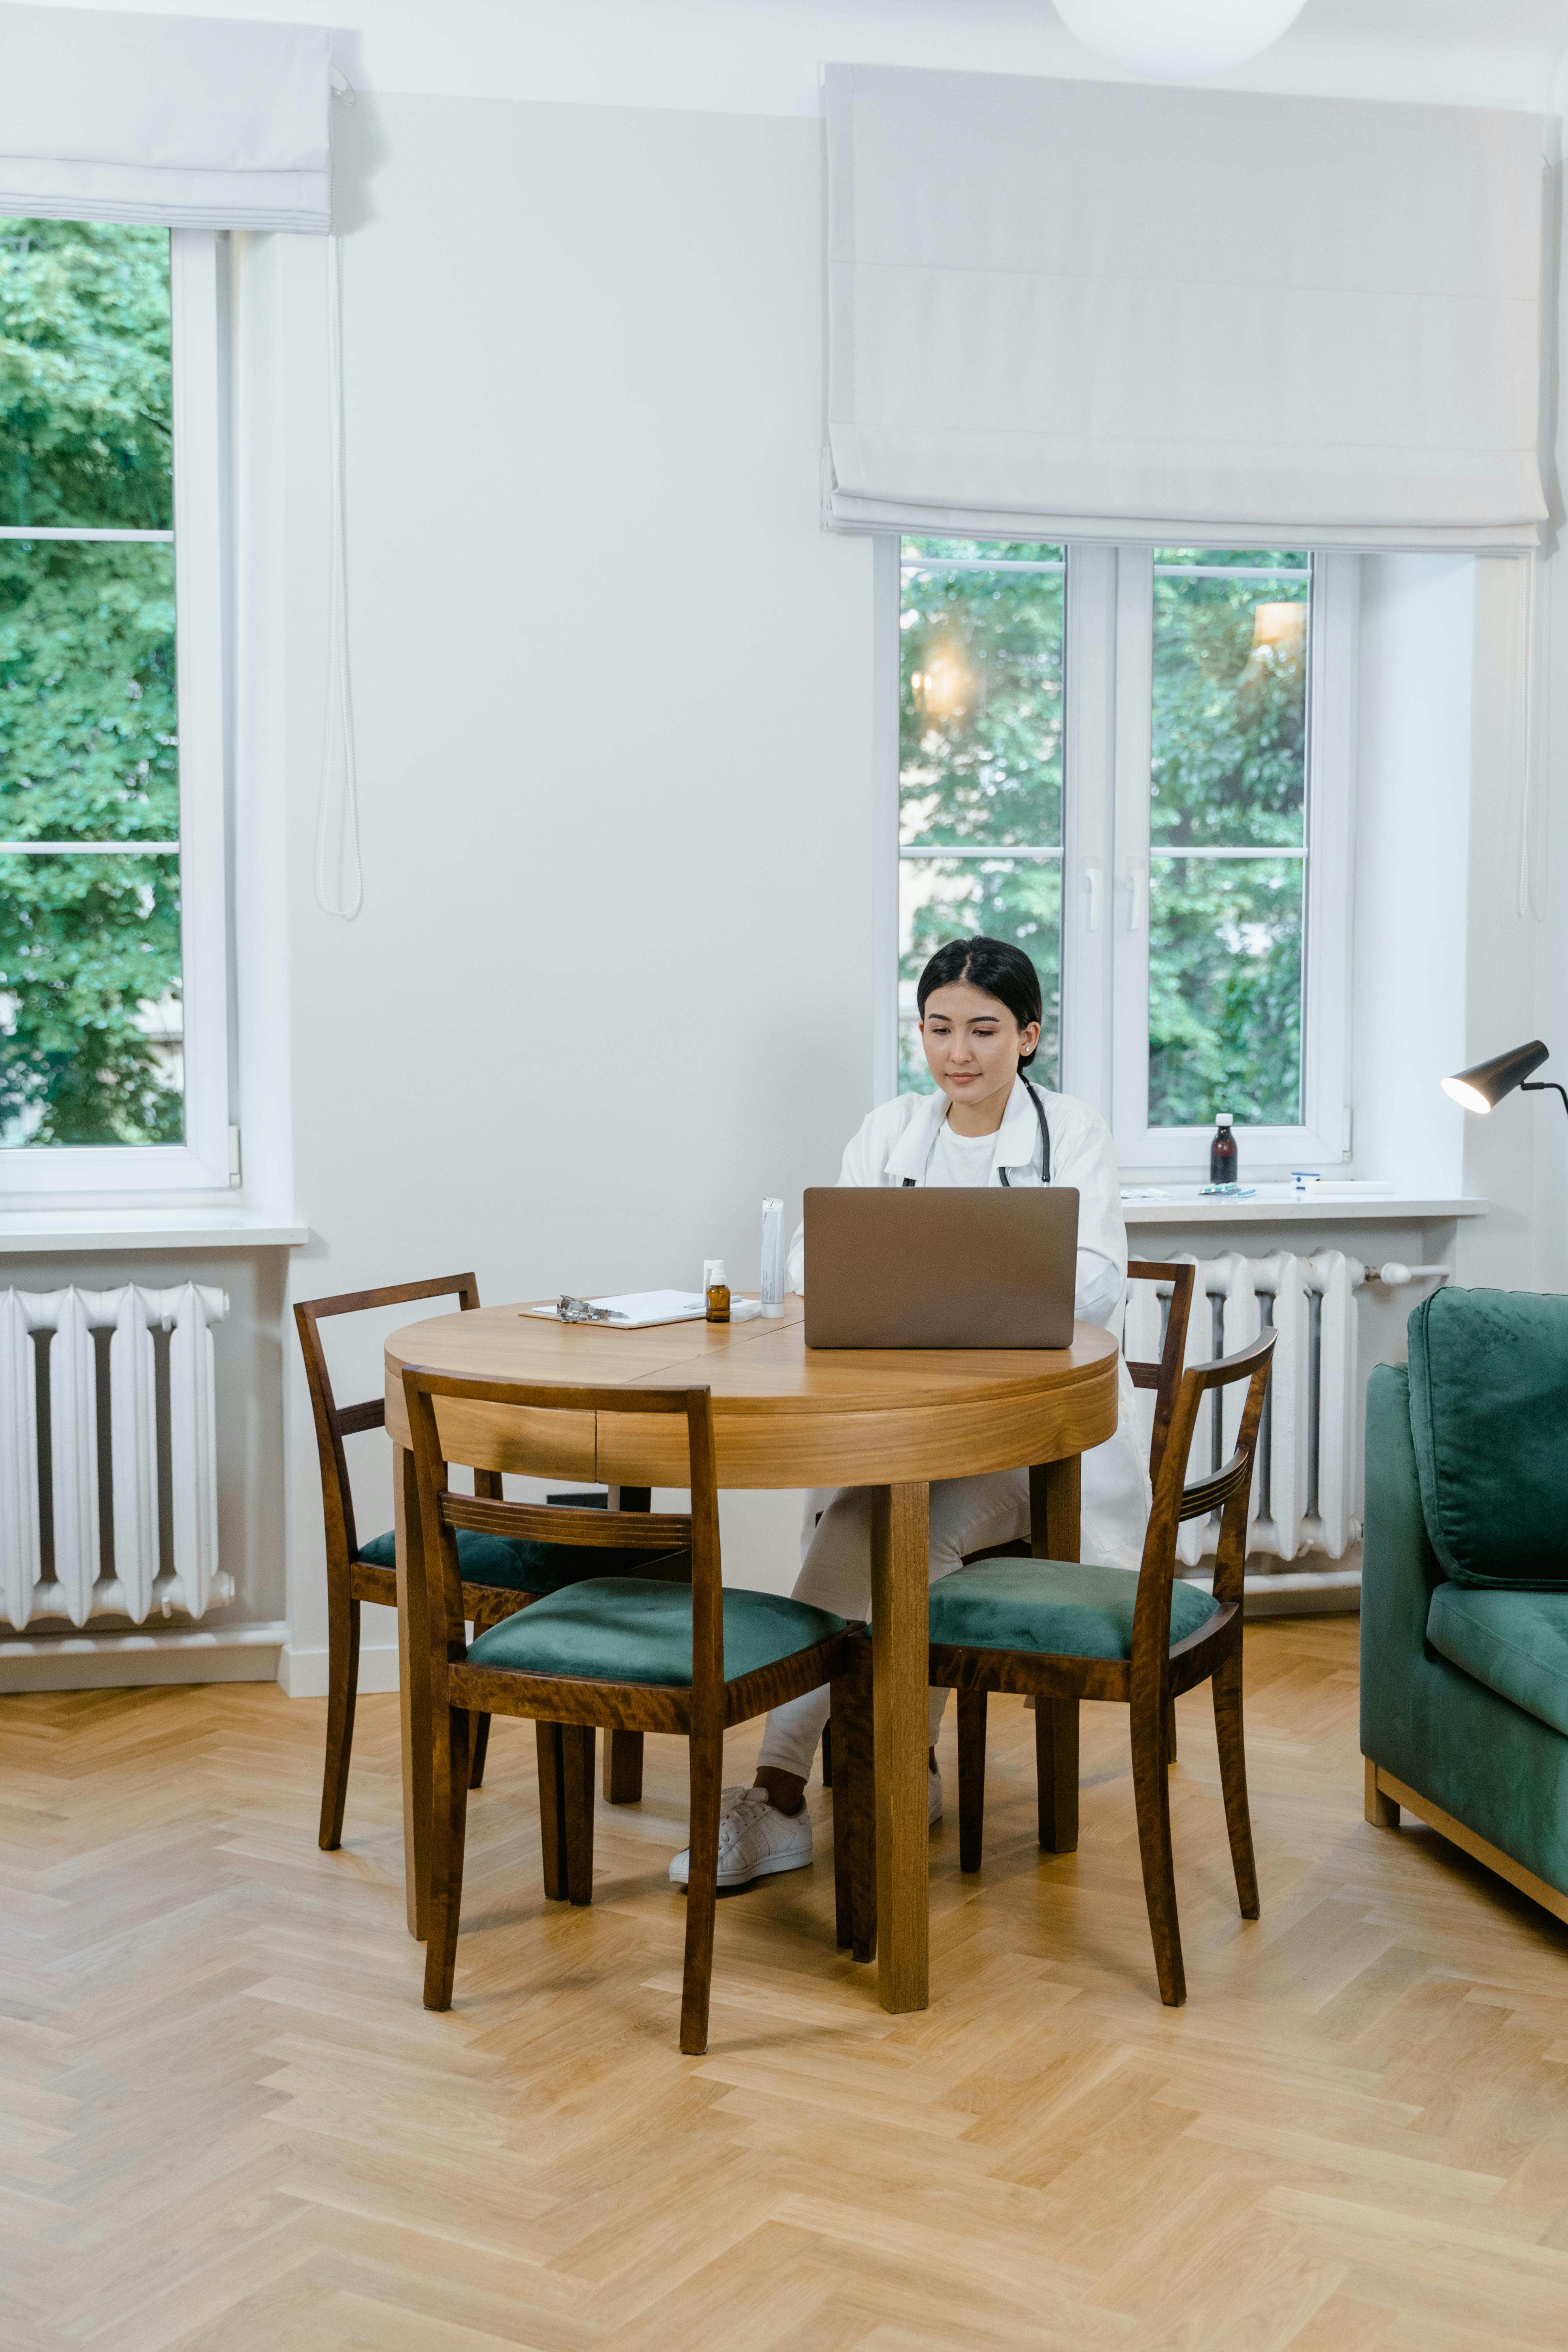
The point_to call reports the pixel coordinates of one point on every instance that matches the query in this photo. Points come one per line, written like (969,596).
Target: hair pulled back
(994,967)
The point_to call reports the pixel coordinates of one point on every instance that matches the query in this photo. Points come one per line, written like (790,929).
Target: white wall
(612,980)
(1414,697)
(760,56)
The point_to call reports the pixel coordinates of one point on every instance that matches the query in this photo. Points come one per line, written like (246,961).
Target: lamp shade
(1176,40)
(1483,1086)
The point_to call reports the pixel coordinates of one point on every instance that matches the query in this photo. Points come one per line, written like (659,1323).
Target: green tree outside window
(90,944)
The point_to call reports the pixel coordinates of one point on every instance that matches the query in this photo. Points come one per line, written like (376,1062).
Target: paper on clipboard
(638,1310)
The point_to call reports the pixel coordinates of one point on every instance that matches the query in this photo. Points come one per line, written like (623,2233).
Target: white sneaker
(933,1798)
(754,1839)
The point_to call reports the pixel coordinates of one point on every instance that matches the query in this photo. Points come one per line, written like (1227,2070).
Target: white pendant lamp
(1176,40)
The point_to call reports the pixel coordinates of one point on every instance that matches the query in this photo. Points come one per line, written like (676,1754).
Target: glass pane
(85,414)
(1007,899)
(1230,699)
(88,749)
(980,703)
(984,551)
(1225,989)
(91,1029)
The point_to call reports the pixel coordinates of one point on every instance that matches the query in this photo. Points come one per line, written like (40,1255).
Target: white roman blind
(192,121)
(1072,310)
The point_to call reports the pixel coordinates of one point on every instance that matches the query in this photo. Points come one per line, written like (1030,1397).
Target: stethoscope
(1044,1141)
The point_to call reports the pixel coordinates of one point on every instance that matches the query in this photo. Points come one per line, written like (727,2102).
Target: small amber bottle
(1224,1158)
(718,1293)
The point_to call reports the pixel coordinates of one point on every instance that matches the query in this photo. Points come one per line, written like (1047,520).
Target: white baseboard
(186,1654)
(302,1673)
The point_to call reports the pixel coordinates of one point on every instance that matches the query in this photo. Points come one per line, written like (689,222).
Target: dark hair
(996,969)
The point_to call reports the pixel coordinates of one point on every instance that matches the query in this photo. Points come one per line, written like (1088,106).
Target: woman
(979,1025)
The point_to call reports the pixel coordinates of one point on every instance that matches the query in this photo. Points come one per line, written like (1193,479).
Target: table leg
(1055,1496)
(899,1640)
(413,1695)
(1056,1490)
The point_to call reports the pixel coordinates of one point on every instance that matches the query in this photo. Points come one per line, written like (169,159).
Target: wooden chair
(634,1652)
(1056,1721)
(1055,1730)
(497,1577)
(1067,1632)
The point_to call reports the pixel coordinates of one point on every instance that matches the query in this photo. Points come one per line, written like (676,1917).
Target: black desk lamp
(1484,1087)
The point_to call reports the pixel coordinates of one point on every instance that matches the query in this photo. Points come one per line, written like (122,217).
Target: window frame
(1107,682)
(202,1163)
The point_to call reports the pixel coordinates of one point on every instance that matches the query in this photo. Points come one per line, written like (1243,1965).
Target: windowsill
(39,1229)
(1273,1204)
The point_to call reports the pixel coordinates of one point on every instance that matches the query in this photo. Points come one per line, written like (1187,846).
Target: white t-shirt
(961,1162)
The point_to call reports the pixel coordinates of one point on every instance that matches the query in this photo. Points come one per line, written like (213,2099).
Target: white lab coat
(895,1142)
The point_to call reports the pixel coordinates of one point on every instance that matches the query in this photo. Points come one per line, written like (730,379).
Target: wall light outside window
(1279,629)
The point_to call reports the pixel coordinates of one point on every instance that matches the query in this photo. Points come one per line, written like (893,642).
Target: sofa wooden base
(1386,1795)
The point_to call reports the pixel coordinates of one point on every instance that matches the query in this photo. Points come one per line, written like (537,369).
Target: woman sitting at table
(986,1124)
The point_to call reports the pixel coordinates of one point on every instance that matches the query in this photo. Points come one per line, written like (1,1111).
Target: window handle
(1137,894)
(1093,881)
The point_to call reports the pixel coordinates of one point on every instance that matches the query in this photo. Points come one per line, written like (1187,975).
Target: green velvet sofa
(1464,1624)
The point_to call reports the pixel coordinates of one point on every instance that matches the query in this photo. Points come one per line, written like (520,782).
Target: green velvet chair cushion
(1062,1609)
(631,1628)
(1488,1413)
(518,1565)
(1515,1643)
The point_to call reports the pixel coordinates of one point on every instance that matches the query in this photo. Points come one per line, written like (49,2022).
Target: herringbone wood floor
(228,2124)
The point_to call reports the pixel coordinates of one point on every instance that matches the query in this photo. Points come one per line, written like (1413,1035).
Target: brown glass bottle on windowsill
(1224,1158)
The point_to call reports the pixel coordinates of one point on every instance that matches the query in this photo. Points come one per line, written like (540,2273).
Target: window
(980,765)
(1135,765)
(112,1002)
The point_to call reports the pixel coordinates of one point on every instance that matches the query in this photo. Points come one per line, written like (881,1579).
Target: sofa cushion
(516,1563)
(632,1628)
(1515,1643)
(1060,1609)
(1489,1417)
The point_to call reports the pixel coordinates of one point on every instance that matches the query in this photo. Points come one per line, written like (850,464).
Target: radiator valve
(1394,1276)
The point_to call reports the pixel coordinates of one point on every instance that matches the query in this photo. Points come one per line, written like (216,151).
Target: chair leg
(577,1809)
(1226,1686)
(855,1817)
(623,1768)
(701,1889)
(1056,1772)
(448,1823)
(552,1813)
(1153,1801)
(828,1753)
(479,1742)
(1171,1731)
(971,1778)
(343,1686)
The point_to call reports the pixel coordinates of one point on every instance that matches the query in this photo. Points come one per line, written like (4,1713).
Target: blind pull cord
(340,877)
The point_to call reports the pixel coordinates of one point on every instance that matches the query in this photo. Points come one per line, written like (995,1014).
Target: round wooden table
(785,1415)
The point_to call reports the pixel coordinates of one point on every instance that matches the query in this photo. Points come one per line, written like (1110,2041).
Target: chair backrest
(1227,1490)
(335,1422)
(1163,1375)
(442,1512)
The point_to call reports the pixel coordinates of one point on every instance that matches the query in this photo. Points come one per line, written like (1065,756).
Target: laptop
(991,1267)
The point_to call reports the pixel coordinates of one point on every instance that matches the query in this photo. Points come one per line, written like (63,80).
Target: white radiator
(1305,1494)
(107,1565)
